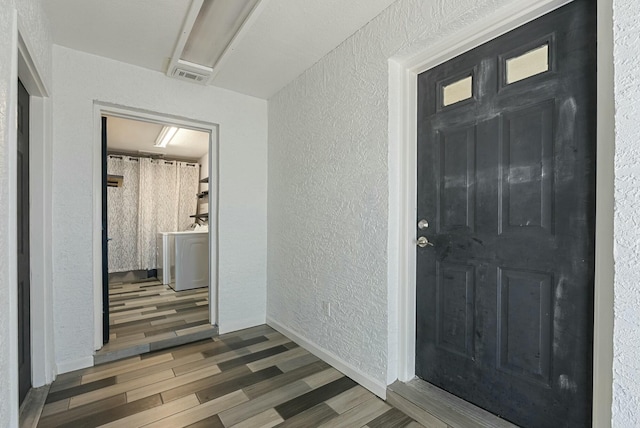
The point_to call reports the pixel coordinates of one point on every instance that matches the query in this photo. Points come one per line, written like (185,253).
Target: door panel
(526,184)
(524,323)
(506,181)
(455,307)
(457,171)
(24,267)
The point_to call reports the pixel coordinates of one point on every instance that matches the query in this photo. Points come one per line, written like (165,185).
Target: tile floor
(145,316)
(252,378)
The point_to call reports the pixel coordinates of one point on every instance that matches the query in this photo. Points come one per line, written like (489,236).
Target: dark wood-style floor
(252,378)
(145,315)
(147,309)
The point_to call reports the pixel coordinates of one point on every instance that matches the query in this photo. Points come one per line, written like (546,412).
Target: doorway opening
(159,237)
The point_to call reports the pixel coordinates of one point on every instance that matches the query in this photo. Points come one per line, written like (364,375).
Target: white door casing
(403,73)
(101,108)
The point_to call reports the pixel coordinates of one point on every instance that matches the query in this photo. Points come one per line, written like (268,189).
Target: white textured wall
(626,367)
(328,185)
(35,29)
(79,79)
(7,273)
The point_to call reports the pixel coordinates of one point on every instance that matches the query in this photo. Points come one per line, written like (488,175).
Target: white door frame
(403,73)
(40,212)
(104,108)
(24,67)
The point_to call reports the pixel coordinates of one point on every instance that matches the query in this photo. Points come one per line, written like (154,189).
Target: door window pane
(529,64)
(457,91)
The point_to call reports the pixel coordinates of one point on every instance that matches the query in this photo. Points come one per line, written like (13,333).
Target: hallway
(314,123)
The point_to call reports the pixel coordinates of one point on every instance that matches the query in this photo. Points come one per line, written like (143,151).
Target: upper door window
(457,91)
(529,64)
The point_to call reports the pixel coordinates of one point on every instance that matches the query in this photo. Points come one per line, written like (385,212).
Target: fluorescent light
(165,136)
(214,28)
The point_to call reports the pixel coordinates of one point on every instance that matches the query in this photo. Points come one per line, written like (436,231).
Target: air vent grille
(189,75)
(185,70)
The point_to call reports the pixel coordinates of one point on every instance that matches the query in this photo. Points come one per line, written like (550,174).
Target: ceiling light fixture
(211,31)
(214,28)
(165,136)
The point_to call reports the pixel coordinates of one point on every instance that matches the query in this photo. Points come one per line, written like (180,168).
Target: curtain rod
(137,157)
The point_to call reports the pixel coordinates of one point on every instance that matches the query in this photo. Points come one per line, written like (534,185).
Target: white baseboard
(373,385)
(69,366)
(228,327)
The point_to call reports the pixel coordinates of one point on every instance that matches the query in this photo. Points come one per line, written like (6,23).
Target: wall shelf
(203,216)
(203,196)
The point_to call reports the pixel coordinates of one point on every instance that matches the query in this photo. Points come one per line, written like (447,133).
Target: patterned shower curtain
(122,214)
(165,197)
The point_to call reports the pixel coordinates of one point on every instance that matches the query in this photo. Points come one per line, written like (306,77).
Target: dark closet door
(506,183)
(24,268)
(105,238)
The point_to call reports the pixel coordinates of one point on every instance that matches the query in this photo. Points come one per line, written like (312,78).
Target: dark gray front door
(24,268)
(506,183)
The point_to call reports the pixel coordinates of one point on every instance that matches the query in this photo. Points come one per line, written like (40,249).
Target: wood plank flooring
(435,407)
(252,378)
(31,408)
(146,316)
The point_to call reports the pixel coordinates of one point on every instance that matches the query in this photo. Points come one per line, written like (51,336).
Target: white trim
(133,113)
(189,20)
(373,385)
(40,214)
(402,114)
(604,273)
(42,350)
(11,149)
(501,21)
(27,68)
(214,231)
(69,366)
(402,121)
(100,108)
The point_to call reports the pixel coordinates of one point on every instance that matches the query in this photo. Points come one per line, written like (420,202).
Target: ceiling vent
(151,154)
(196,73)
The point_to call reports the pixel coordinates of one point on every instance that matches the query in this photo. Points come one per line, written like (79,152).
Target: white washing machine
(183,259)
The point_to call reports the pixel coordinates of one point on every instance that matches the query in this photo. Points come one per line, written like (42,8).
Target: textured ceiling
(140,32)
(287,38)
